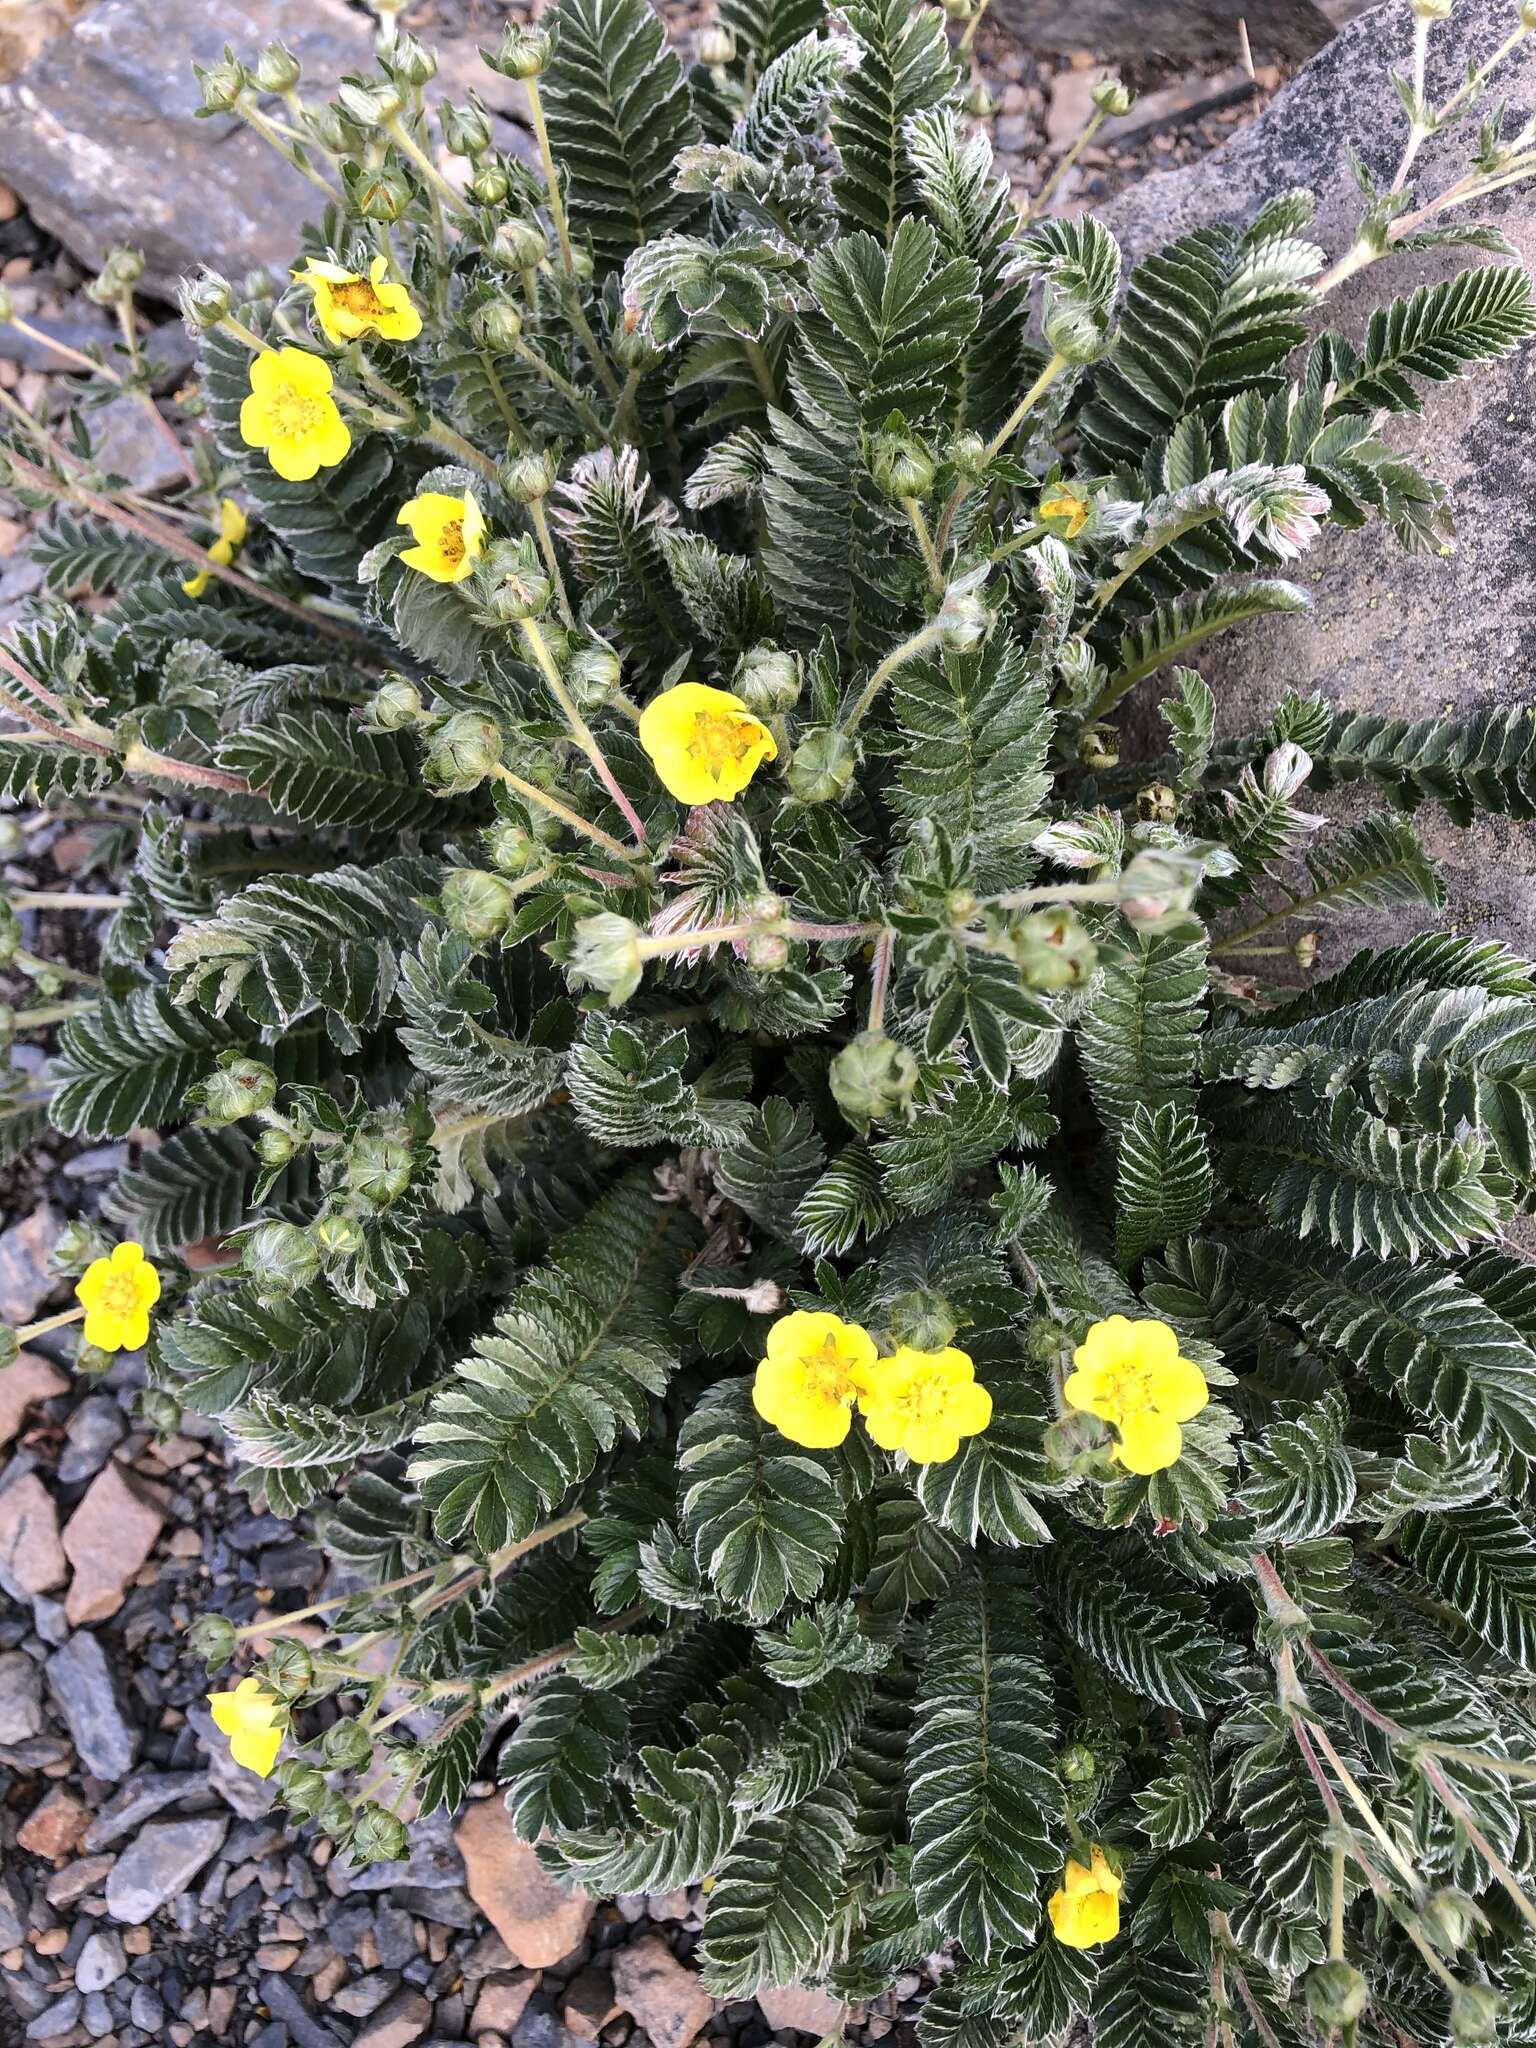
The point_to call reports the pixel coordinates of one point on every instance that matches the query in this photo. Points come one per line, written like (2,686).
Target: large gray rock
(1172,28)
(1404,635)
(99,132)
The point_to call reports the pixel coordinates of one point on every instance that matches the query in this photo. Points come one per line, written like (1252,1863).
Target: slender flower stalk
(581,732)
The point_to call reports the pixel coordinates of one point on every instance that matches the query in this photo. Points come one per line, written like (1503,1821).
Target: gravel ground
(147,1897)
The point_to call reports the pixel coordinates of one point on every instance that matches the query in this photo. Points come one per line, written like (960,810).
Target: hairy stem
(582,733)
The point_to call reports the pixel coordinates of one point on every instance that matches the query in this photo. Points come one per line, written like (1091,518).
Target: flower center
(924,1400)
(1127,1389)
(120,1294)
(359,299)
(826,1374)
(450,541)
(295,413)
(721,738)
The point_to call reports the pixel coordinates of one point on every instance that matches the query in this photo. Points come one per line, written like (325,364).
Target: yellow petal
(931,1443)
(971,1410)
(255,1749)
(103,1327)
(1148,1443)
(1179,1389)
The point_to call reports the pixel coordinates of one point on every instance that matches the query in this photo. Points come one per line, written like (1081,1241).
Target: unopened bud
(396,706)
(523,53)
(1111,97)
(1451,1918)
(924,1321)
(205,299)
(380,195)
(593,672)
(479,905)
(466,129)
(1064,511)
(498,324)
(301,1787)
(76,1245)
(240,1088)
(521,244)
(490,185)
(520,593)
(279,1258)
(411,61)
(1157,804)
(979,103)
(1304,950)
(528,476)
(370,105)
(606,956)
(345,1745)
(337,1237)
(1078,1764)
(768,952)
(1053,949)
(873,1077)
(221,84)
(511,847)
(822,766)
(158,1410)
(275,1146)
(461,753)
(901,467)
(333,1815)
(277,69)
(378,1836)
(212,1637)
(1476,2010)
(964,621)
(379,1167)
(767,680)
(1336,1994)
(287,1669)
(716,46)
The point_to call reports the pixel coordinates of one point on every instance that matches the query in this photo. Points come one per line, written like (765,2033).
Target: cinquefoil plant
(853,1343)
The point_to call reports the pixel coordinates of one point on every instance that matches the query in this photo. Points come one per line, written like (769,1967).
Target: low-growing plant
(755,1176)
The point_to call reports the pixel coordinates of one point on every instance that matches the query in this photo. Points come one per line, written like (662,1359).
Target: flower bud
(466,129)
(345,1745)
(76,1245)
(1052,949)
(511,847)
(301,1787)
(606,955)
(767,680)
(528,476)
(275,1146)
(212,1637)
(479,905)
(379,1166)
(1451,1918)
(517,592)
(766,908)
(1157,804)
(378,1836)
(490,185)
(120,272)
(280,1259)
(221,84)
(523,53)
(337,1237)
(1476,2010)
(461,753)
(287,1669)
(277,69)
(968,456)
(240,1088)
(959,10)
(410,60)
(964,620)
(1336,1994)
(873,1077)
(158,1410)
(92,1361)
(521,244)
(923,1320)
(1079,1444)
(333,1815)
(1079,1766)
(822,766)
(1111,97)
(48,983)
(979,102)
(901,467)
(498,324)
(716,46)
(380,195)
(205,299)
(768,952)
(1526,13)
(1304,950)
(1432,10)
(1098,747)
(369,105)
(396,706)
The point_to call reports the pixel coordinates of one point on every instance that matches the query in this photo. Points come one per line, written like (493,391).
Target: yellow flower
(254,1721)
(817,1367)
(348,304)
(1064,510)
(923,1402)
(118,1294)
(232,531)
(1086,1909)
(704,743)
(1131,1375)
(449,534)
(292,414)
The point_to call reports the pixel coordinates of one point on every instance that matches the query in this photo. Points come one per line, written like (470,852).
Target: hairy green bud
(1336,1994)
(921,1319)
(461,753)
(478,904)
(523,52)
(280,1258)
(979,103)
(345,1746)
(822,766)
(1476,2010)
(521,244)
(901,466)
(378,1836)
(396,706)
(606,955)
(92,1361)
(1053,948)
(221,84)
(768,952)
(369,105)
(968,456)
(379,1167)
(277,69)
(205,299)
(767,680)
(240,1087)
(158,1410)
(518,591)
(337,1237)
(276,1146)
(490,184)
(1451,1918)
(288,1669)
(333,1815)
(1111,97)
(212,1637)
(1079,1766)
(77,1244)
(301,1787)
(498,324)
(511,847)
(529,475)
(873,1077)
(964,620)
(409,60)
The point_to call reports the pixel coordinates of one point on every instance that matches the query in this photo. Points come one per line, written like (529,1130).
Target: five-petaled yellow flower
(1064,510)
(1131,1375)
(292,414)
(254,1721)
(704,743)
(117,1294)
(817,1367)
(1086,1908)
(924,1402)
(449,534)
(348,304)
(232,530)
